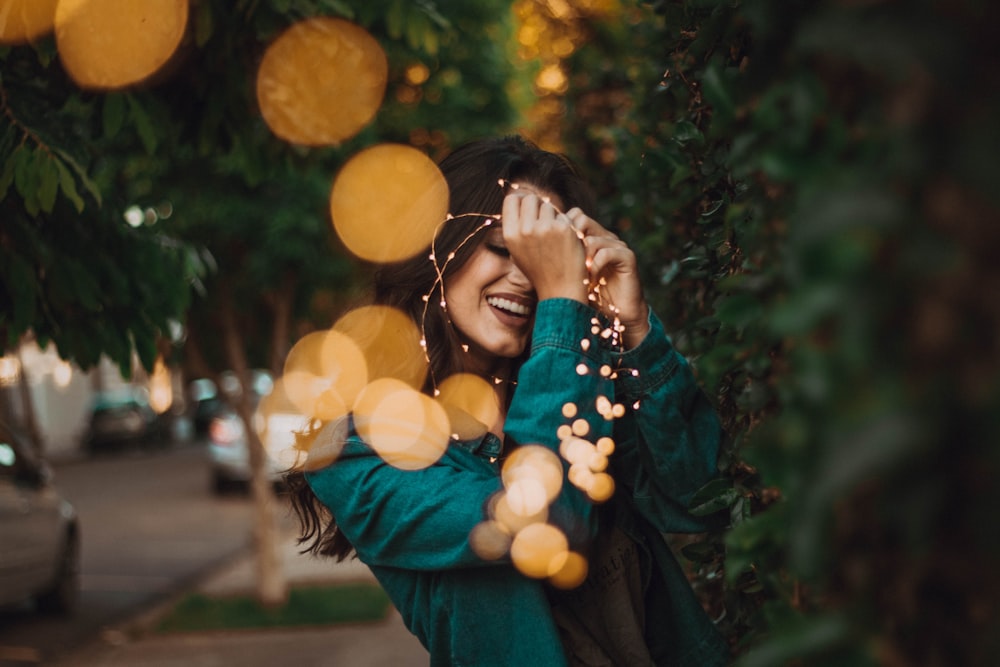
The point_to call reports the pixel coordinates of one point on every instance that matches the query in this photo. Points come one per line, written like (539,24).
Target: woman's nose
(517,277)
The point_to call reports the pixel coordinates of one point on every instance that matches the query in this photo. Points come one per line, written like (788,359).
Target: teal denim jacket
(412,527)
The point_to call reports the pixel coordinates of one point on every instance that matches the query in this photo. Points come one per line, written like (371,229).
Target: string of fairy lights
(611,332)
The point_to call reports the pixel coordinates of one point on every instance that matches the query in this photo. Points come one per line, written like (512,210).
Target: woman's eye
(498,250)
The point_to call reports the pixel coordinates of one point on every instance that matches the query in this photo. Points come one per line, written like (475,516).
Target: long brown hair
(475,173)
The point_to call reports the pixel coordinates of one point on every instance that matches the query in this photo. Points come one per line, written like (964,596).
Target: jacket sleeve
(413,519)
(421,519)
(667,443)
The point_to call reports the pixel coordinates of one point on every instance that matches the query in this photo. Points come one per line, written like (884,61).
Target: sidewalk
(386,643)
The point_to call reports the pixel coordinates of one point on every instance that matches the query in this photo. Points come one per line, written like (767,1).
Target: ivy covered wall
(812,188)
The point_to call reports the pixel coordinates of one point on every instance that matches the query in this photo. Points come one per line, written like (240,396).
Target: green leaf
(21,283)
(395,19)
(81,173)
(48,183)
(27,184)
(416,26)
(686,131)
(203,24)
(338,7)
(714,496)
(739,310)
(113,114)
(715,89)
(431,42)
(143,124)
(68,185)
(22,163)
(6,177)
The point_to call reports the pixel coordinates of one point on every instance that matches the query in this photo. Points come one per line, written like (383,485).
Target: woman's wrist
(635,330)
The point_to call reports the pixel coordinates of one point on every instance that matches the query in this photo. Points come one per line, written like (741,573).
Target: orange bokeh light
(109,44)
(572,573)
(324,372)
(24,20)
(490,540)
(539,550)
(388,341)
(387,202)
(408,429)
(321,81)
(471,404)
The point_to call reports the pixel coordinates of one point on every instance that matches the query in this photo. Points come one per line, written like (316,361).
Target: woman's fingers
(544,246)
(586,225)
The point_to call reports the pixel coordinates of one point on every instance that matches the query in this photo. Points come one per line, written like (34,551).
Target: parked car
(228,445)
(206,403)
(39,532)
(122,418)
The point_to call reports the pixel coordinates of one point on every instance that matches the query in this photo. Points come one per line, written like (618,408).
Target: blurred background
(810,186)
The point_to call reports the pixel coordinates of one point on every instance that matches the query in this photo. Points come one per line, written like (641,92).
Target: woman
(517,304)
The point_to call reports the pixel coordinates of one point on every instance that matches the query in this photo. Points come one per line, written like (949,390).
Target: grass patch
(314,605)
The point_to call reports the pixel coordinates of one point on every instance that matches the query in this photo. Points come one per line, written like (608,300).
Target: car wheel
(62,596)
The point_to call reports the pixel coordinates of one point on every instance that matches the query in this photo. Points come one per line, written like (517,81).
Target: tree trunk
(272,587)
(28,411)
(281,306)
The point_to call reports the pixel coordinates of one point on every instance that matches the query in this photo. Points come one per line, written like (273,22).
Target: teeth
(505,304)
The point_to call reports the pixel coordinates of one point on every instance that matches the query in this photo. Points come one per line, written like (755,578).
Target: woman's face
(491,303)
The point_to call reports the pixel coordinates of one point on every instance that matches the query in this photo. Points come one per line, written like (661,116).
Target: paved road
(149,522)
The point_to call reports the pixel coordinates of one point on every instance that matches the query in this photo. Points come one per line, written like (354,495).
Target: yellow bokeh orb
(387,202)
(387,342)
(539,550)
(502,512)
(572,573)
(601,488)
(530,468)
(324,372)
(490,540)
(471,404)
(24,20)
(321,81)
(408,429)
(109,44)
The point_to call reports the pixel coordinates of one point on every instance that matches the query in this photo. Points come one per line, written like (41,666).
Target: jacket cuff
(565,324)
(649,364)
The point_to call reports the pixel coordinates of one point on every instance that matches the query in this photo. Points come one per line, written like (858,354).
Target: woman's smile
(491,303)
(512,310)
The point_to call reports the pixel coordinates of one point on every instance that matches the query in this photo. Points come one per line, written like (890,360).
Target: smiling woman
(513,508)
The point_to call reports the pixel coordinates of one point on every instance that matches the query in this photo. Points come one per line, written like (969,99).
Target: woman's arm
(414,519)
(421,519)
(668,441)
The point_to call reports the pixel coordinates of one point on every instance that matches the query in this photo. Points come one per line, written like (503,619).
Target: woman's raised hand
(612,265)
(544,246)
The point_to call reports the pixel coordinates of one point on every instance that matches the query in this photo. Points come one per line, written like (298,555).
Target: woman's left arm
(669,438)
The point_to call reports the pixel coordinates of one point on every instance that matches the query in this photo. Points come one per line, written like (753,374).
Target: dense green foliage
(812,189)
(71,270)
(190,149)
